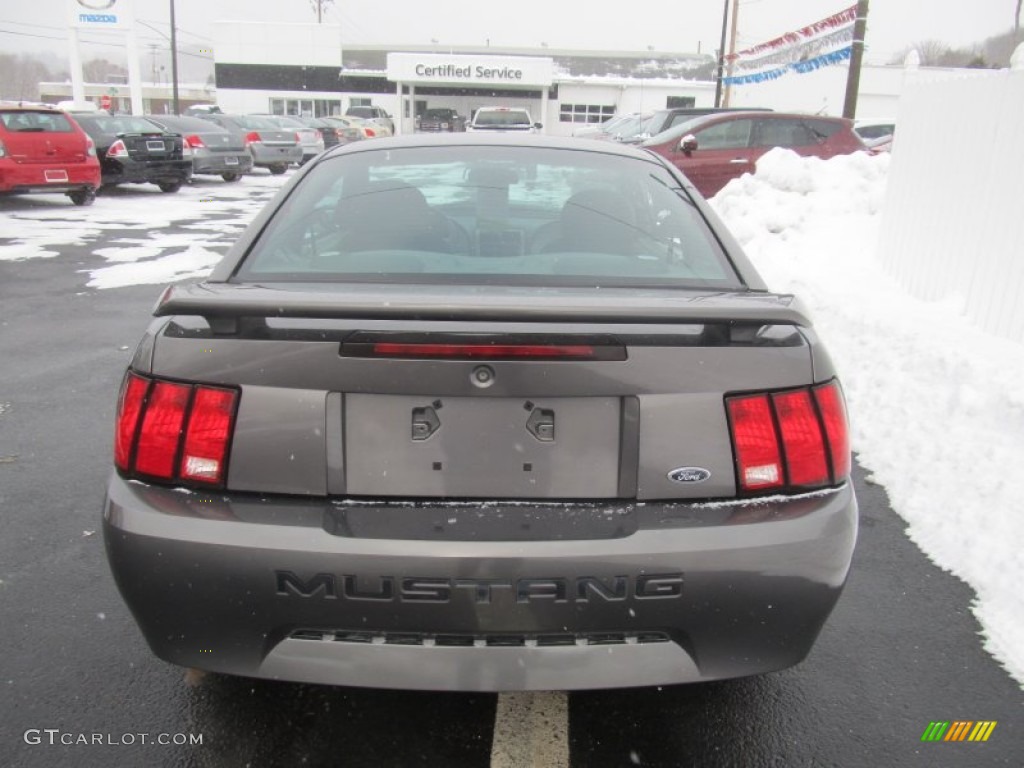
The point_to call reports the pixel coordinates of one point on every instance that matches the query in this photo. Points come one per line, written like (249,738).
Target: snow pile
(936,405)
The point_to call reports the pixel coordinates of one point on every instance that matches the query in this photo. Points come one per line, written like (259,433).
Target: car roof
(493,140)
(16,106)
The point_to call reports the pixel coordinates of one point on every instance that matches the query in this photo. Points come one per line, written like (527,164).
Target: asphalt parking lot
(901,650)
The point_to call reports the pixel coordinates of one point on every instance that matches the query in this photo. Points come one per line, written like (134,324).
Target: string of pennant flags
(805,50)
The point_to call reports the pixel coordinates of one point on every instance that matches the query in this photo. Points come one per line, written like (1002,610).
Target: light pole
(174,63)
(721,55)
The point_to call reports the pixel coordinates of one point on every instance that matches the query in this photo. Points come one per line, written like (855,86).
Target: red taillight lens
(158,421)
(194,142)
(117,149)
(129,405)
(756,443)
(369,132)
(801,438)
(252,137)
(206,438)
(794,440)
(319,135)
(161,429)
(298,137)
(837,431)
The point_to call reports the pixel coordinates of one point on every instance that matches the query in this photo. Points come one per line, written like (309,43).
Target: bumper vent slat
(495,640)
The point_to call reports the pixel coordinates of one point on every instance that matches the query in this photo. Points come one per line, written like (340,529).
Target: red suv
(714,149)
(44,150)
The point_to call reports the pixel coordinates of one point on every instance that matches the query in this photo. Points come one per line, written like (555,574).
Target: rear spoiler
(224,305)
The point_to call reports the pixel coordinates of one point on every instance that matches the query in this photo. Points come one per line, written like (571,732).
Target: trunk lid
(392,392)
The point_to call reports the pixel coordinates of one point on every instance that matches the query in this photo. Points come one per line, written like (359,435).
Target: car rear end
(44,150)
(479,466)
(310,138)
(271,146)
(214,150)
(135,150)
(502,119)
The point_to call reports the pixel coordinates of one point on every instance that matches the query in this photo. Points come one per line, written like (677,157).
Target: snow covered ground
(937,407)
(213,211)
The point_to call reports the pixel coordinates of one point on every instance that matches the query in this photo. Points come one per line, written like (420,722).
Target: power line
(99,42)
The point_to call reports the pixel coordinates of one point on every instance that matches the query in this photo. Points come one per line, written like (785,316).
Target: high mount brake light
(174,432)
(489,351)
(792,440)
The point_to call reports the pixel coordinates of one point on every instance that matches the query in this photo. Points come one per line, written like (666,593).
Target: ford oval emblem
(689,475)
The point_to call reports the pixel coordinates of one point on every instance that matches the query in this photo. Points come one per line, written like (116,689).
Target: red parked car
(44,150)
(714,149)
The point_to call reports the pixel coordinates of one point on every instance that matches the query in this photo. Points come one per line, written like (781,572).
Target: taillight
(90,147)
(794,440)
(3,150)
(298,137)
(252,137)
(117,149)
(756,442)
(174,432)
(369,132)
(160,433)
(194,142)
(129,406)
(837,431)
(207,435)
(319,135)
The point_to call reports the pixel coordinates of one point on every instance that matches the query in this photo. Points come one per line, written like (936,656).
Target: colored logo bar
(958,730)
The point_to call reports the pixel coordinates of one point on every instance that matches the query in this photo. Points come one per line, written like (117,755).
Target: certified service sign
(100,14)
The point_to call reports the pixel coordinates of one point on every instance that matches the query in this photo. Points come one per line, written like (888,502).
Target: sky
(665,25)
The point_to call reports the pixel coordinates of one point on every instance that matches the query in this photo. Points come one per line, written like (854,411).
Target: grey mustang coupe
(480,412)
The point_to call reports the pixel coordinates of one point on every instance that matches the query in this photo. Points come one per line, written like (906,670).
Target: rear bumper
(20,178)
(130,171)
(264,154)
(478,597)
(217,164)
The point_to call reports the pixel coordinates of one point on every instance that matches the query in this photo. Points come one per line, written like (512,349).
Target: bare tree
(320,6)
(20,76)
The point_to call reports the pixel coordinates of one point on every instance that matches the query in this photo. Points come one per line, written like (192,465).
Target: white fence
(953,221)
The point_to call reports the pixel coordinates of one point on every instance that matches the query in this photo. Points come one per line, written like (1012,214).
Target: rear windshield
(115,124)
(510,117)
(254,123)
(194,124)
(489,215)
(22,121)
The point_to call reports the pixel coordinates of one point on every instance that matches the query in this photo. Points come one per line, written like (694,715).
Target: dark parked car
(487,412)
(442,119)
(136,150)
(44,150)
(272,147)
(715,149)
(214,150)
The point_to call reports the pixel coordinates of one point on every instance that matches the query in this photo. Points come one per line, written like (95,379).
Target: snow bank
(936,405)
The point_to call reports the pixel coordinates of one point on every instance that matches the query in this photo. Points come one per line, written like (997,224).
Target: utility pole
(732,50)
(721,55)
(174,63)
(856,57)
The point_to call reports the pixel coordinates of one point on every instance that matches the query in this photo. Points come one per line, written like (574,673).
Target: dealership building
(306,69)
